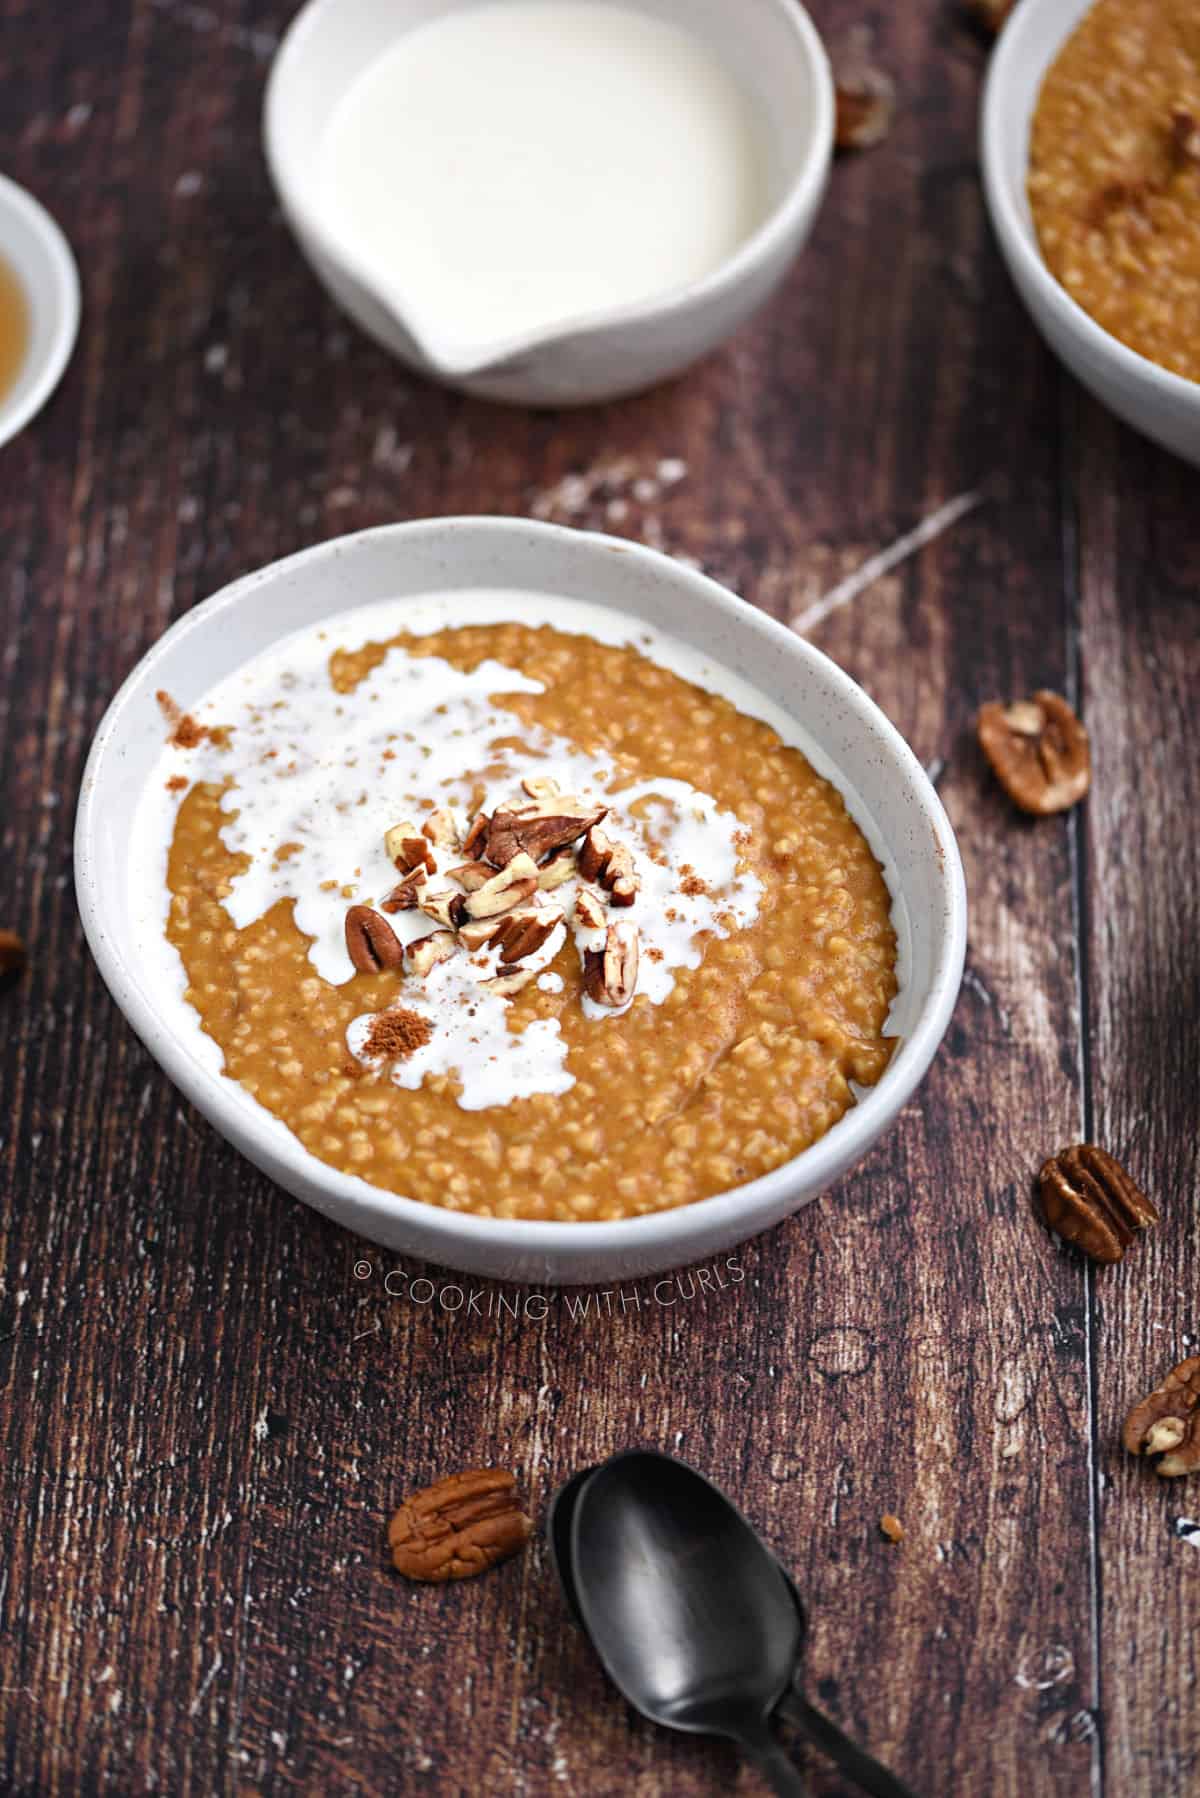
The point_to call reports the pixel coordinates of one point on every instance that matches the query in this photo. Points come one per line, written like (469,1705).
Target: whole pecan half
(371,942)
(1088,1198)
(12,953)
(1168,1422)
(460,1526)
(1038,750)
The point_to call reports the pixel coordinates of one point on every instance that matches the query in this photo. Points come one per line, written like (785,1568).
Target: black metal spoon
(686,1494)
(691,1621)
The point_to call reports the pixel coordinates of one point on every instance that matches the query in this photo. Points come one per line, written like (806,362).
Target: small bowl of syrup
(39,306)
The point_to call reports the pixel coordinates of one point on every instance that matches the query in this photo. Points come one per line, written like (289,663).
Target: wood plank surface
(208,1413)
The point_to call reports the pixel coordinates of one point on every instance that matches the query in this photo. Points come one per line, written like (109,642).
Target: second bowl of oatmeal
(1090,146)
(519,897)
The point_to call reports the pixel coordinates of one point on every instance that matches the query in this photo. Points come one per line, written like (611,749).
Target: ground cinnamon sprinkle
(177,783)
(394,1035)
(693,886)
(185,732)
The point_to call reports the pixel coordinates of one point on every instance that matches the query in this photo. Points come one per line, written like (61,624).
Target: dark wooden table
(207,1417)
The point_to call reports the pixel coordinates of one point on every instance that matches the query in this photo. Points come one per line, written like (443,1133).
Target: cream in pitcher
(507,169)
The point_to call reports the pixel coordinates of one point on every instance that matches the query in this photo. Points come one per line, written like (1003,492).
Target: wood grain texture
(207,1416)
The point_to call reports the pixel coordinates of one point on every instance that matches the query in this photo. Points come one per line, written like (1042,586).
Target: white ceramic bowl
(38,254)
(1152,399)
(771,45)
(842,730)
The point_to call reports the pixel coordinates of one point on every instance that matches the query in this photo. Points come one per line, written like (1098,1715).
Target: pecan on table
(458,1527)
(864,96)
(371,943)
(12,953)
(1038,750)
(991,14)
(1088,1198)
(1167,1423)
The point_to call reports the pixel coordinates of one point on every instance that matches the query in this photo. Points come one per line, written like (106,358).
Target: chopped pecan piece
(588,911)
(408,848)
(610,974)
(404,896)
(425,954)
(594,852)
(557,869)
(476,836)
(471,875)
(521,933)
(12,953)
(512,886)
(537,829)
(460,1526)
(444,906)
(477,933)
(1088,1198)
(1168,1422)
(540,787)
(371,943)
(611,864)
(505,985)
(1038,750)
(620,876)
(441,829)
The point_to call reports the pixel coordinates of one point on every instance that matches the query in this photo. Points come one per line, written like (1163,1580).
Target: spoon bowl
(644,1503)
(691,1616)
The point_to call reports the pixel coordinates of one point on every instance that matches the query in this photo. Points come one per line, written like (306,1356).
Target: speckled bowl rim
(662,1239)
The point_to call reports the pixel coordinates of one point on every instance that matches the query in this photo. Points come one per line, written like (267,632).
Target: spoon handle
(861,1767)
(774,1763)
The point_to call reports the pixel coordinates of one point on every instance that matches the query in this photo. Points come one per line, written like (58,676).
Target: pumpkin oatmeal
(1114,174)
(522,923)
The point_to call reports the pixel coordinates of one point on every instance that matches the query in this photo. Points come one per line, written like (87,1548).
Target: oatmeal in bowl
(512,927)
(1090,153)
